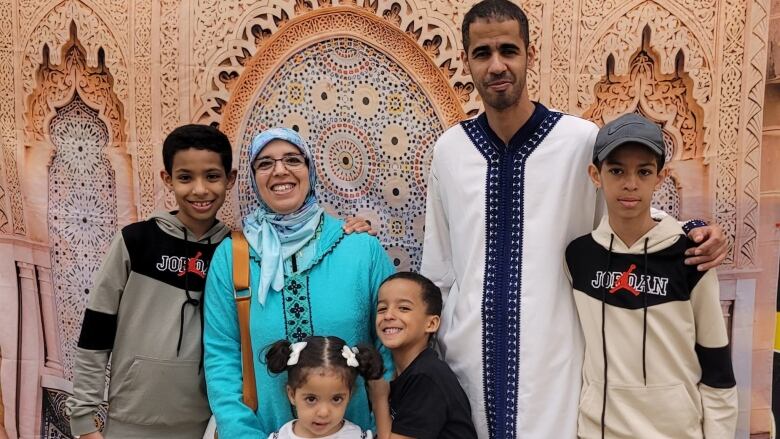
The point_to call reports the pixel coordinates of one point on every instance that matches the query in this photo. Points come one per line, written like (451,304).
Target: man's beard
(500,101)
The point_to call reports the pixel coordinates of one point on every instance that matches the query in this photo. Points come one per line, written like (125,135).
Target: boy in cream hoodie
(657,362)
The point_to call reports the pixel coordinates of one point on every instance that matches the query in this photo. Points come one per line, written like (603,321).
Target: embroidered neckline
(523,135)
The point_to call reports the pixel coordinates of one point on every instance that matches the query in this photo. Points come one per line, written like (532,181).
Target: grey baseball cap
(629,128)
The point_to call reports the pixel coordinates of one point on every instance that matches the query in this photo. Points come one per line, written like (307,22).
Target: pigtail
(277,355)
(370,364)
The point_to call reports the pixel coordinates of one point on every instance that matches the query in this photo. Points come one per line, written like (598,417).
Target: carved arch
(371,115)
(620,38)
(432,30)
(696,16)
(56,86)
(95,34)
(81,214)
(106,10)
(664,98)
(332,22)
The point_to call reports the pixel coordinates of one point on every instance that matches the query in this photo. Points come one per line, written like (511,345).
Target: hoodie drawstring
(200,308)
(604,332)
(604,338)
(189,300)
(644,321)
(198,304)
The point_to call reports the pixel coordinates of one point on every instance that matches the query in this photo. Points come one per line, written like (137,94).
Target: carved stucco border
(12,201)
(753,103)
(142,114)
(730,82)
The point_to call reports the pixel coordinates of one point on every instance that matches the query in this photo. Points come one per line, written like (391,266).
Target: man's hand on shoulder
(359,225)
(711,250)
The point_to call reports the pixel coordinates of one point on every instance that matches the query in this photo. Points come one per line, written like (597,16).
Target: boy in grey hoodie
(145,310)
(657,362)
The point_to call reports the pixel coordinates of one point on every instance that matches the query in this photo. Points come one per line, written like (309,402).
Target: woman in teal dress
(307,277)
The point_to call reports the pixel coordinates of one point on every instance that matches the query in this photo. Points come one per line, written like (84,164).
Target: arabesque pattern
(82,214)
(141,68)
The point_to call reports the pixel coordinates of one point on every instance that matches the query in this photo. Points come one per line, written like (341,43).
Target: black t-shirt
(427,402)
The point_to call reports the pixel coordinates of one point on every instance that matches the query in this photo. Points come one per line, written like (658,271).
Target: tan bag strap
(240,283)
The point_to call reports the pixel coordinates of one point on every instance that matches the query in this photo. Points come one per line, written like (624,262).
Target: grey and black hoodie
(145,312)
(657,363)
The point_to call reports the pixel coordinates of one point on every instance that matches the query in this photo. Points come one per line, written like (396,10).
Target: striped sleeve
(717,386)
(97,338)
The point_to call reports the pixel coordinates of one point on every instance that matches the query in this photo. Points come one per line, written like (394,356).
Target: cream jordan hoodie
(657,362)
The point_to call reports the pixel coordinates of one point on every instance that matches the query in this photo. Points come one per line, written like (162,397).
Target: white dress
(497,224)
(347,431)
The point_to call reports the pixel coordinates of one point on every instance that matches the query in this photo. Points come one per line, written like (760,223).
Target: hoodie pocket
(641,412)
(160,392)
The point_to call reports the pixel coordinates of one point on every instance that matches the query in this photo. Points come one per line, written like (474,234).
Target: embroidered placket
(501,305)
(297,307)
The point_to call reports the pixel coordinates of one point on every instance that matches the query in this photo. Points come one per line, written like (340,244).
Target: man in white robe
(507,191)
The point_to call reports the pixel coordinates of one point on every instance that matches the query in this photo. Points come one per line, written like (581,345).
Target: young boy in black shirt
(426,400)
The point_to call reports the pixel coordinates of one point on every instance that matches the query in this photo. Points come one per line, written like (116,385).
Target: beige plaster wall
(145,67)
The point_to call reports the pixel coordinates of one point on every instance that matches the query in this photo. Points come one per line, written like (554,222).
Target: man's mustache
(504,77)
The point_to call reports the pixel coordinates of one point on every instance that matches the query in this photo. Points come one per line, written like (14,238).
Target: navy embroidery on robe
(501,307)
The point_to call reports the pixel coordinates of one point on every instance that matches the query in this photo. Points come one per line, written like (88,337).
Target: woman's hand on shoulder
(93,435)
(359,225)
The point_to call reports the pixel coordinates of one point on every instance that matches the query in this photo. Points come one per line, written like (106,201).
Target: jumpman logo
(622,282)
(192,266)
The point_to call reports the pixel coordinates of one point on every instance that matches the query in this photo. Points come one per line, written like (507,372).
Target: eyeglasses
(292,161)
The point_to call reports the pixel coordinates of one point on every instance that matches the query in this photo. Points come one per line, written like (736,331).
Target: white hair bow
(295,352)
(349,354)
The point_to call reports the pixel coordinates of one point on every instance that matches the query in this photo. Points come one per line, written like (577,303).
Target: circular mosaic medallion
(371,129)
(342,160)
(298,123)
(324,96)
(370,216)
(396,191)
(395,141)
(365,100)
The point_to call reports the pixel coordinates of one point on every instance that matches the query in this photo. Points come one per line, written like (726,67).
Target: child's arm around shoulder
(717,386)
(379,393)
(421,411)
(97,339)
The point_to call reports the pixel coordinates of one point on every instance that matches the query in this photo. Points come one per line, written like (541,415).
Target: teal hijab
(275,236)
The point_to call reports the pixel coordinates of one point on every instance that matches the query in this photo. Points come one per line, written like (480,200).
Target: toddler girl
(321,374)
